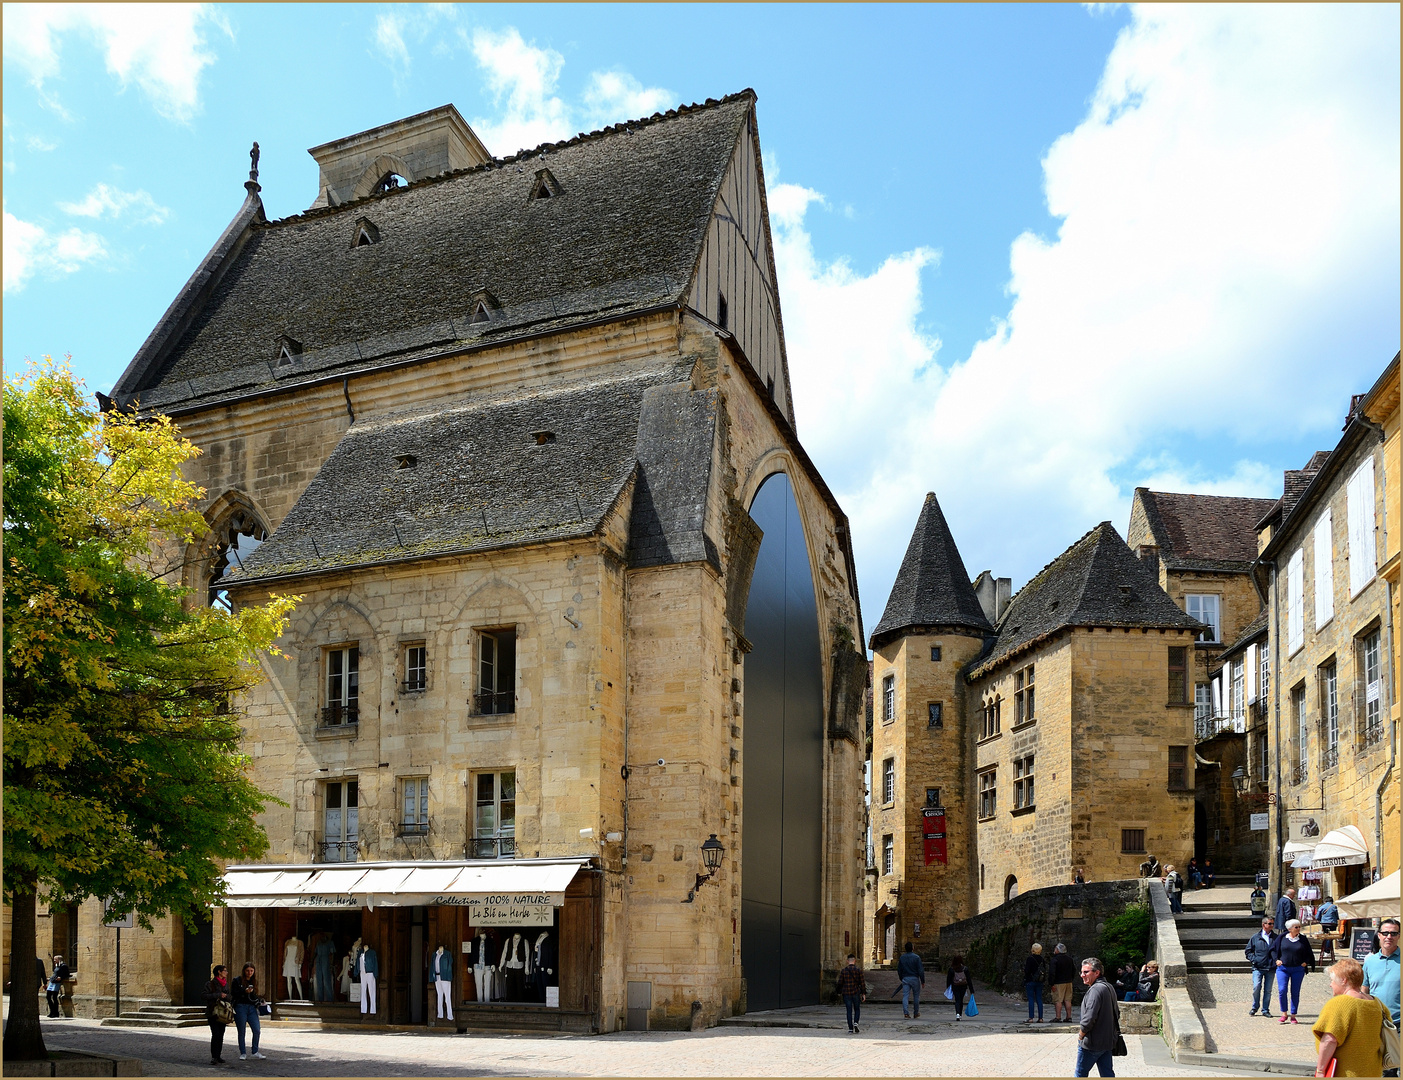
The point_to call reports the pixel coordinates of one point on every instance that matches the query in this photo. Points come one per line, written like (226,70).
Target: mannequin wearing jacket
(441,971)
(516,962)
(369,965)
(542,965)
(482,959)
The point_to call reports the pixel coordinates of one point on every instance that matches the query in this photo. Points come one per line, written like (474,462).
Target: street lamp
(712,851)
(1239,779)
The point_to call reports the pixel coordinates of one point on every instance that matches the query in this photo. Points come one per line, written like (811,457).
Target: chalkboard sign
(1361,942)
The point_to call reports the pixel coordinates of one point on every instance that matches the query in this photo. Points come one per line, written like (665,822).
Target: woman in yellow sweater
(1350,1025)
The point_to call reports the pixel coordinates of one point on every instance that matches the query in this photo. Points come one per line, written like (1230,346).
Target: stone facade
(626,716)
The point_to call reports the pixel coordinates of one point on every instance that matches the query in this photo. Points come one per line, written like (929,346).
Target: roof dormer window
(545,187)
(483,305)
(366,233)
(287,349)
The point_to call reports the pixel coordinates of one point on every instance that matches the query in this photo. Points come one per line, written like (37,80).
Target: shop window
(1207,610)
(342,705)
(935,653)
(496,683)
(888,853)
(988,794)
(1023,783)
(888,699)
(1023,696)
(889,781)
(341,819)
(932,796)
(416,668)
(1330,714)
(1132,841)
(1178,675)
(494,815)
(1178,768)
(1371,691)
(935,715)
(416,806)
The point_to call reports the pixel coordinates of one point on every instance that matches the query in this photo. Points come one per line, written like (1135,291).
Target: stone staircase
(159,1016)
(1215,925)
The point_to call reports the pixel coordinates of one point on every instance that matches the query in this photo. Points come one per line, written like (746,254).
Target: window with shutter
(1360,494)
(1295,602)
(1324,571)
(1251,674)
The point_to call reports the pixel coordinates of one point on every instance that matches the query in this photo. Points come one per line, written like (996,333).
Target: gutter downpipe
(1392,757)
(1276,720)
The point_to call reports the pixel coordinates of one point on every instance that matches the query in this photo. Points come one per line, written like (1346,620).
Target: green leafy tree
(122,771)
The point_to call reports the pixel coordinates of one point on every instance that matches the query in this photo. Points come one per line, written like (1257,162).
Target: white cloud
(612,96)
(389,39)
(40,144)
(160,47)
(115,203)
(31,249)
(1230,215)
(522,80)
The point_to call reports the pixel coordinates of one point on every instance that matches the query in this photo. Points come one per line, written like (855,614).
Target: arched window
(389,182)
(1010,888)
(236,540)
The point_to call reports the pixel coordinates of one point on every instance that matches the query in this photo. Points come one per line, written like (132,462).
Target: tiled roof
(1204,531)
(1253,630)
(932,587)
(1097,581)
(476,475)
(622,236)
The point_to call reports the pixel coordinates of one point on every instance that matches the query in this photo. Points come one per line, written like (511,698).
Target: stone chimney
(993,595)
(428,144)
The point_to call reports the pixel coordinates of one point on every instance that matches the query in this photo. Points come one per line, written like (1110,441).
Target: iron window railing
(492,847)
(1299,773)
(1329,758)
(1373,732)
(336,715)
(339,851)
(490,704)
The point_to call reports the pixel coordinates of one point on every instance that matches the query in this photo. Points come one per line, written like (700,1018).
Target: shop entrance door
(198,961)
(418,967)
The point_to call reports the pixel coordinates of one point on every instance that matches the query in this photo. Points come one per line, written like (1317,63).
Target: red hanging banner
(933,834)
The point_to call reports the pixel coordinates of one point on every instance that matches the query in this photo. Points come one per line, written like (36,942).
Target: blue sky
(1030,256)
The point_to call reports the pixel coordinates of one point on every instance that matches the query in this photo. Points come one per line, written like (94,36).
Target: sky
(1030,256)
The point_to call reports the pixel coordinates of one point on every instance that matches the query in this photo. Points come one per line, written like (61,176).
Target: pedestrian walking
(1286,908)
(1034,969)
(912,974)
(219,1011)
(1294,958)
(54,987)
(959,982)
(1261,954)
(852,985)
(244,994)
(1174,889)
(1349,1024)
(1100,1021)
(1381,972)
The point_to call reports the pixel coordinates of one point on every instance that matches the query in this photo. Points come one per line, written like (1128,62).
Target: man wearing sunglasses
(1381,972)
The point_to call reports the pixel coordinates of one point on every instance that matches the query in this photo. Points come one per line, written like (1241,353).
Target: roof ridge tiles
(519,157)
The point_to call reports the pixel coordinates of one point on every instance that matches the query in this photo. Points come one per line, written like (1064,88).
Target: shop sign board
(1304,827)
(326,900)
(1361,942)
(504,909)
(1261,822)
(933,834)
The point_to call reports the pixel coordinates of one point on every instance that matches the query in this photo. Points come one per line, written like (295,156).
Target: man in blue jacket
(1259,955)
(1286,908)
(912,974)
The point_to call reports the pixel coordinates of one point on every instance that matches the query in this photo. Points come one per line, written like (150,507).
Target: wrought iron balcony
(492,847)
(1329,758)
(1373,733)
(490,704)
(337,714)
(1299,773)
(339,850)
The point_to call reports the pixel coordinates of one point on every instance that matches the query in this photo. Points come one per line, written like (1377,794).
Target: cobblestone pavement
(883,1048)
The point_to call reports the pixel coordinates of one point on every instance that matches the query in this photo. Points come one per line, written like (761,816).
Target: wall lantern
(712,852)
(1239,779)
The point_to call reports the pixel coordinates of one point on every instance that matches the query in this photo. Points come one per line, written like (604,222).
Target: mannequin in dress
(292,967)
(542,965)
(345,974)
(515,958)
(441,968)
(483,962)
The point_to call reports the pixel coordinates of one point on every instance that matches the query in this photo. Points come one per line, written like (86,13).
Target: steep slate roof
(622,237)
(1253,630)
(932,588)
(1206,532)
(480,480)
(1097,581)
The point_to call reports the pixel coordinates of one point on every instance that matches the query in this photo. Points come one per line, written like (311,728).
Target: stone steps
(159,1016)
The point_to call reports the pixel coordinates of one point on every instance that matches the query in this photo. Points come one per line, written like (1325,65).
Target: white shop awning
(1297,853)
(400,884)
(1379,900)
(1343,847)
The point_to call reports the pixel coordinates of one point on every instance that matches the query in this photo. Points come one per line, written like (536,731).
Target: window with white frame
(1203,702)
(1207,610)
(988,793)
(340,821)
(1302,733)
(342,704)
(496,671)
(494,815)
(1295,601)
(416,667)
(889,780)
(1023,782)
(1330,714)
(1359,493)
(1372,713)
(1250,670)
(1324,571)
(888,853)
(1239,700)
(1264,671)
(888,699)
(416,805)
(1024,710)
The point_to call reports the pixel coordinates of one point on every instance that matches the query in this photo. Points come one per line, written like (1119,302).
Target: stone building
(1333,705)
(1052,732)
(576,610)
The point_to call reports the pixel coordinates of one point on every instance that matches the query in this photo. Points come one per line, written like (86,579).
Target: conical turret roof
(932,589)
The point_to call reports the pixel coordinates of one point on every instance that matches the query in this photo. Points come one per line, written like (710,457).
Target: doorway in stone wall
(1200,831)
(197,960)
